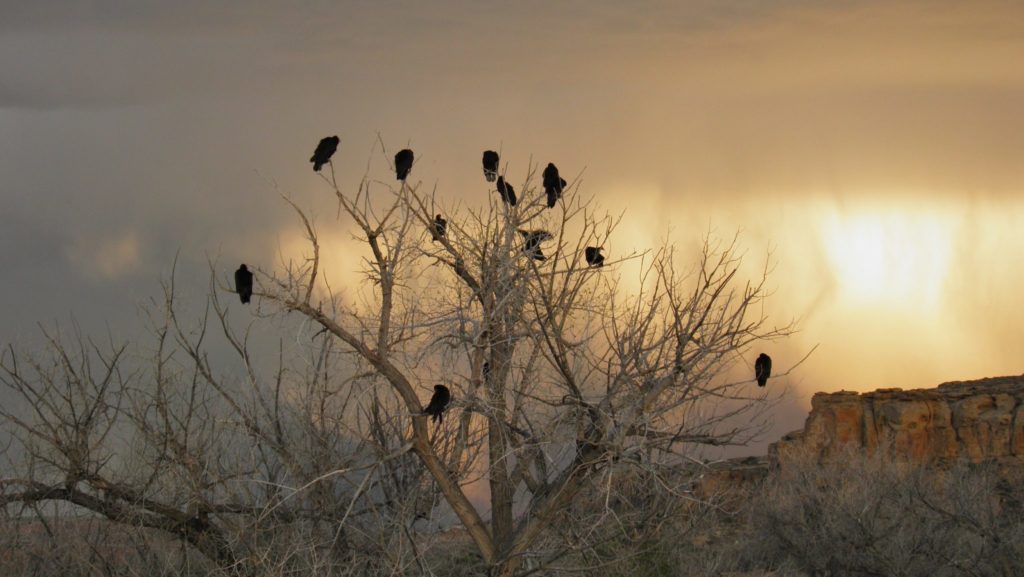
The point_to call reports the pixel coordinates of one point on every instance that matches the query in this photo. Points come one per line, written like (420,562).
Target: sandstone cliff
(971,420)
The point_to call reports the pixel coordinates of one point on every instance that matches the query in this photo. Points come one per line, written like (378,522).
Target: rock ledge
(976,421)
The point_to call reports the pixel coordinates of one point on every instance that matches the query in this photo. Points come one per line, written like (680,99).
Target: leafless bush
(663,527)
(52,545)
(863,516)
(283,469)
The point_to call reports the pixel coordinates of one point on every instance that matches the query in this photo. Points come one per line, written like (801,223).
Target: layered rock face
(974,421)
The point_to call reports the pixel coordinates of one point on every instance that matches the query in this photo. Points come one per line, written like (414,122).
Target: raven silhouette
(762,369)
(440,227)
(508,194)
(490,165)
(324,151)
(403,163)
(532,239)
(553,184)
(243,283)
(438,403)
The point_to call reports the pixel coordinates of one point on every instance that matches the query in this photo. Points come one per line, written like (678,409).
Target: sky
(875,149)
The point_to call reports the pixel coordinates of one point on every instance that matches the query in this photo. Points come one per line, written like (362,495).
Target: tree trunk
(497,443)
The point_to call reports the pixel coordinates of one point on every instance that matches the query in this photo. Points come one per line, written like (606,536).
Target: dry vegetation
(861,516)
(858,517)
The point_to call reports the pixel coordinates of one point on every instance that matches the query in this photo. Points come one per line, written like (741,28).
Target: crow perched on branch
(243,283)
(762,369)
(438,403)
(508,194)
(532,239)
(440,227)
(324,151)
(490,165)
(594,256)
(403,163)
(553,184)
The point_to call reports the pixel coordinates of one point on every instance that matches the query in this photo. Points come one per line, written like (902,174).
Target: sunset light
(888,257)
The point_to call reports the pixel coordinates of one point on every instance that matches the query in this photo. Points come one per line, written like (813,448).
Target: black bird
(490,165)
(508,194)
(243,283)
(762,369)
(438,402)
(324,151)
(594,256)
(533,239)
(553,184)
(403,163)
(440,227)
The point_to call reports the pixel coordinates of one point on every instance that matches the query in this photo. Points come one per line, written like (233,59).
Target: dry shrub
(862,516)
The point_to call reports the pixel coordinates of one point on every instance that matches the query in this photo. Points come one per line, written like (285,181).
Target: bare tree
(578,397)
(583,376)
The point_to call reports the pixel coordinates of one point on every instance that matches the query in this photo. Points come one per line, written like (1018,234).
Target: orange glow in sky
(889,258)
